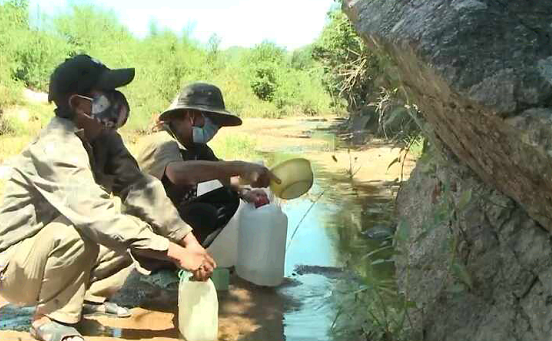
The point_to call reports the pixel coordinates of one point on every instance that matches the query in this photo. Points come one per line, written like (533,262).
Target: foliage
(266,59)
(365,78)
(13,20)
(235,147)
(263,82)
(255,82)
(350,68)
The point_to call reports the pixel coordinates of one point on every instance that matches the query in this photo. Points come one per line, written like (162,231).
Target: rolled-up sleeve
(64,178)
(142,195)
(158,151)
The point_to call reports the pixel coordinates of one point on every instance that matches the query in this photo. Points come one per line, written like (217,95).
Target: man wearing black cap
(64,244)
(179,156)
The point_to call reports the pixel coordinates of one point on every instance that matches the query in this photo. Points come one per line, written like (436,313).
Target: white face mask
(202,135)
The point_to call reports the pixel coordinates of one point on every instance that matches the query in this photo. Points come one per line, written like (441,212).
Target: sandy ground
(248,312)
(369,163)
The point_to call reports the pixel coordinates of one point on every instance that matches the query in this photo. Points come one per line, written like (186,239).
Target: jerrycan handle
(185,276)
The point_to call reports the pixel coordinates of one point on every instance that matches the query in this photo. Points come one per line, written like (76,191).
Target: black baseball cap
(82,73)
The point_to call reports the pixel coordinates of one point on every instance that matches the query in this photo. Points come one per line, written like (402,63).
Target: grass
(235,147)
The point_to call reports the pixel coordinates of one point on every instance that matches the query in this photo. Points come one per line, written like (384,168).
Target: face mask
(110,109)
(202,135)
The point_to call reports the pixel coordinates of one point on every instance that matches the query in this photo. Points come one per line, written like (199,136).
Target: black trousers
(209,213)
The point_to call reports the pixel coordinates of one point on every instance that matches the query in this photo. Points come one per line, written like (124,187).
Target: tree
(350,69)
(265,60)
(153,28)
(302,59)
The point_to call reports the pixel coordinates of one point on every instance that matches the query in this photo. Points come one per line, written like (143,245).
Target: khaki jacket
(158,150)
(60,173)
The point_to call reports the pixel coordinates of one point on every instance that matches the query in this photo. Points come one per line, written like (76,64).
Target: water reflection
(332,235)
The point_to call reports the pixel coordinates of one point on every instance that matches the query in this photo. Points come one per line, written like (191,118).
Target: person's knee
(66,238)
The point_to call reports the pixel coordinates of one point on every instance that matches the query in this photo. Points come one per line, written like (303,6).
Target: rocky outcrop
(480,71)
(485,275)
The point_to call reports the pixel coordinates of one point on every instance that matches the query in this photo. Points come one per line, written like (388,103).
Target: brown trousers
(58,269)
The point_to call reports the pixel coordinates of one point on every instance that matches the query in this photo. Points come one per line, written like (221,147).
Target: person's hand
(193,258)
(257,175)
(256,196)
(205,271)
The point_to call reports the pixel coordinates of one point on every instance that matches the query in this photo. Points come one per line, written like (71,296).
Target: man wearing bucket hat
(179,156)
(64,244)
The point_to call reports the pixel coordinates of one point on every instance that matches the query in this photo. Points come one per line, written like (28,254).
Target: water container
(197,309)
(224,249)
(262,244)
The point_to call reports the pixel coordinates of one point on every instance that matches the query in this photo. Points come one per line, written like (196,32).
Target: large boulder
(481,72)
(484,275)
(475,226)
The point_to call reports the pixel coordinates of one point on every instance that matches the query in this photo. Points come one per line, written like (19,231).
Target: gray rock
(470,66)
(480,71)
(506,254)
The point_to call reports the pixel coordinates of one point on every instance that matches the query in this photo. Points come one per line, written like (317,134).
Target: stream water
(329,242)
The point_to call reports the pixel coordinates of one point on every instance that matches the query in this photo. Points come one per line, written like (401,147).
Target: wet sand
(246,312)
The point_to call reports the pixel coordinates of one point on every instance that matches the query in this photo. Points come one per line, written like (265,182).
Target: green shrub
(264,81)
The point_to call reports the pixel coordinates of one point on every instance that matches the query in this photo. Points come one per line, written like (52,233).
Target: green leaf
(462,273)
(410,305)
(378,261)
(423,235)
(464,200)
(396,253)
(370,254)
(403,232)
(457,288)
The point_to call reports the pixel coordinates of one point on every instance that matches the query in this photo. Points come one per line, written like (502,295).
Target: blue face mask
(202,135)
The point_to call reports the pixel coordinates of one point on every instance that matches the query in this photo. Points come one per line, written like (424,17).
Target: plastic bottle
(198,309)
(262,244)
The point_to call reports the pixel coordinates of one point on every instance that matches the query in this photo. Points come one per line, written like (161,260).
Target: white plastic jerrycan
(262,244)
(224,249)
(197,309)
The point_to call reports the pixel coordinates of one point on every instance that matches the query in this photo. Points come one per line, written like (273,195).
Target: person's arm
(64,178)
(188,173)
(143,195)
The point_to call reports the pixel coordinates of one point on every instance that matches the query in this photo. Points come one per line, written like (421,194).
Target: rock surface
(475,225)
(505,292)
(471,67)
